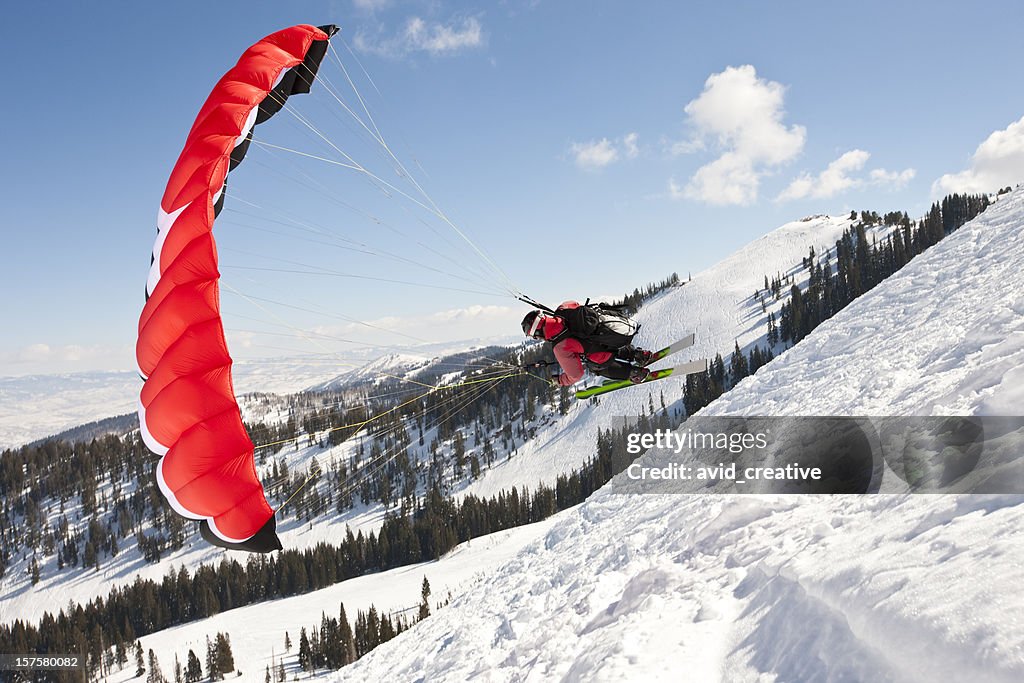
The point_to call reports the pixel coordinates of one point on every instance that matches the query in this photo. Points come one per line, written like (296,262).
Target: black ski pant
(618,366)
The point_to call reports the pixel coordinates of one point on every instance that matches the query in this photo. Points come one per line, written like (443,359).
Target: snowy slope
(717,303)
(945,336)
(758,588)
(740,589)
(257,631)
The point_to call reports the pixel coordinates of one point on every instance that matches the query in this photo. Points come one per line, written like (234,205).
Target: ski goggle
(536,326)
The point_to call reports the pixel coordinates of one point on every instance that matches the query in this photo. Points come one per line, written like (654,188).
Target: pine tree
(738,366)
(372,628)
(140,660)
(796,311)
(695,395)
(193,669)
(287,642)
(212,669)
(155,675)
(563,401)
(424,611)
(348,645)
(387,629)
(225,659)
(305,653)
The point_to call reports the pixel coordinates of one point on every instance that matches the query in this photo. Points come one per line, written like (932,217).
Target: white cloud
(596,154)
(683,147)
(730,179)
(830,182)
(448,325)
(42,358)
(438,38)
(896,179)
(472,313)
(34,352)
(743,115)
(240,339)
(629,143)
(371,5)
(420,35)
(840,175)
(998,162)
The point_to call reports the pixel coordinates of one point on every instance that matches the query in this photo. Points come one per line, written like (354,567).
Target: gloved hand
(553,381)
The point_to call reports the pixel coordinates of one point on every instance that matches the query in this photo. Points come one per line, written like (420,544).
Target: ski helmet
(532,323)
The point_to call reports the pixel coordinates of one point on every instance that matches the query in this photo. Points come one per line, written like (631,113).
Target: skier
(592,337)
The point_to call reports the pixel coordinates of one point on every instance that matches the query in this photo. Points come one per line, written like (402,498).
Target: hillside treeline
(435,526)
(835,279)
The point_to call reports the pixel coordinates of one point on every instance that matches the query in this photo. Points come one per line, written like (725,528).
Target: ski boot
(638,375)
(642,357)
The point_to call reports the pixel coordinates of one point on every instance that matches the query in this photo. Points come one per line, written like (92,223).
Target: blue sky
(585,147)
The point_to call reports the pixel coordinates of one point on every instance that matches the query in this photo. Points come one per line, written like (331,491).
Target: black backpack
(598,327)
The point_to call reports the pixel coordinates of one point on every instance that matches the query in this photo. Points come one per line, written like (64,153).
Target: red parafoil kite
(187,410)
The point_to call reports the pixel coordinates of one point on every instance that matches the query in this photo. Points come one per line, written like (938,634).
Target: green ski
(689,368)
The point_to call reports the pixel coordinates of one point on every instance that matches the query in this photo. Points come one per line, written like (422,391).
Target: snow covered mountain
(37,406)
(755,588)
(633,586)
(718,304)
(418,366)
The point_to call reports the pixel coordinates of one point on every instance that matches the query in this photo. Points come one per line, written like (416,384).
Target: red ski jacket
(569,351)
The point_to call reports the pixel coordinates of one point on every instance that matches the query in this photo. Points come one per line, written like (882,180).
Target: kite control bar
(538,364)
(527,300)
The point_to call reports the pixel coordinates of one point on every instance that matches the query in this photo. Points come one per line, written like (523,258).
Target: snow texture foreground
(886,588)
